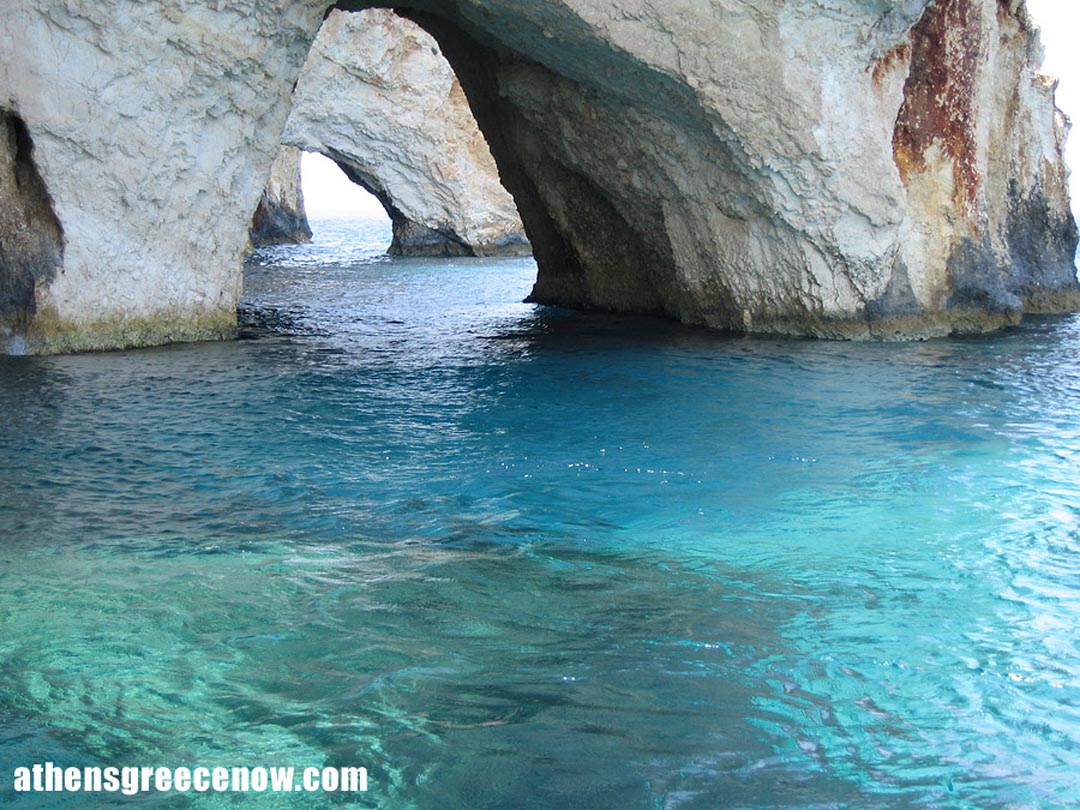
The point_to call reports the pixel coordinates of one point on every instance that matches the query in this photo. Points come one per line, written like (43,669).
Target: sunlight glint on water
(506,556)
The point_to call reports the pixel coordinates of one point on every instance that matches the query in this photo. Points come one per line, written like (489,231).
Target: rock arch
(378,98)
(749,164)
(865,176)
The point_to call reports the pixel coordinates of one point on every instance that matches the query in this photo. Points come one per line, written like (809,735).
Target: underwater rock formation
(884,169)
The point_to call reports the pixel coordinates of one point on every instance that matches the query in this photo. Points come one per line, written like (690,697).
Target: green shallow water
(505,556)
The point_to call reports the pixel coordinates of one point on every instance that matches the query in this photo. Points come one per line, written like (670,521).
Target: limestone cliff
(890,168)
(979,147)
(886,169)
(377,97)
(154,126)
(280,217)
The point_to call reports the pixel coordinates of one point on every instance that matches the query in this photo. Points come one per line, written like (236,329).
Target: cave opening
(31,237)
(385,131)
(328,193)
(553,106)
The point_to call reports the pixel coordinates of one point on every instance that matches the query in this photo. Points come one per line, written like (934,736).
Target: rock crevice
(31,239)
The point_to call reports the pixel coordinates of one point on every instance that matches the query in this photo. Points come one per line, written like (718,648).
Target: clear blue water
(511,557)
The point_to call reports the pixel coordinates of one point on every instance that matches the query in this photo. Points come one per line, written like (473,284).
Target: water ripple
(505,555)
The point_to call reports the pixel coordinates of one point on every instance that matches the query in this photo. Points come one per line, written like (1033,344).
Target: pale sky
(329,194)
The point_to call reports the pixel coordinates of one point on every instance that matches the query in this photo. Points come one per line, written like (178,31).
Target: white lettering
(259,779)
(281,779)
(112,781)
(131,780)
(330,779)
(201,780)
(22,780)
(220,779)
(354,779)
(182,780)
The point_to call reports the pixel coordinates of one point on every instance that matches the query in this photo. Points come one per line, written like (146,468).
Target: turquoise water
(512,557)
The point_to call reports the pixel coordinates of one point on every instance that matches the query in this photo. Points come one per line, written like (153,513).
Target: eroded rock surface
(377,97)
(280,217)
(154,126)
(31,242)
(767,166)
(979,147)
(882,169)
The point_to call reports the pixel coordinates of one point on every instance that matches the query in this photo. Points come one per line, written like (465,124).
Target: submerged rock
(280,217)
(883,169)
(378,97)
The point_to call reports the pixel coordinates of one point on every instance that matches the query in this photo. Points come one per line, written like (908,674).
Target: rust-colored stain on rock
(938,106)
(899,55)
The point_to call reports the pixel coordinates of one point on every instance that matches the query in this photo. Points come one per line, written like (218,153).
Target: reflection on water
(506,556)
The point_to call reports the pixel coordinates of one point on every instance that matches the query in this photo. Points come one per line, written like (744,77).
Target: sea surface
(507,556)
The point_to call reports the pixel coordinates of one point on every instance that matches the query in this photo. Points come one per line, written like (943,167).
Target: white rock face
(873,171)
(862,168)
(280,217)
(154,126)
(378,97)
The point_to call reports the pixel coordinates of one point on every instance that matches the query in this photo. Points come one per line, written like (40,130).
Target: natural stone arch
(829,200)
(752,164)
(377,97)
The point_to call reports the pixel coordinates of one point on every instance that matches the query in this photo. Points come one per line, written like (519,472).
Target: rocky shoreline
(885,171)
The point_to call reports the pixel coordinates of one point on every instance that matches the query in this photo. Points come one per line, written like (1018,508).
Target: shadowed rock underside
(31,240)
(280,217)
